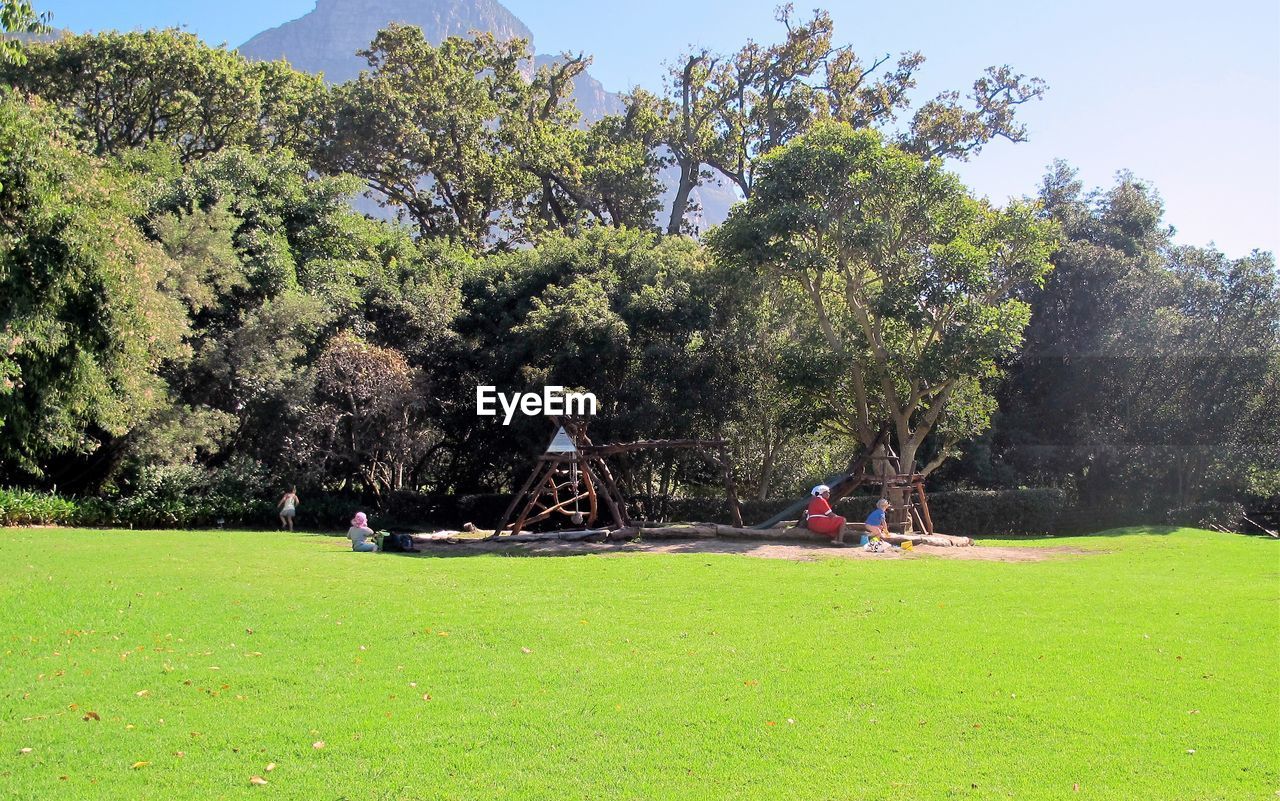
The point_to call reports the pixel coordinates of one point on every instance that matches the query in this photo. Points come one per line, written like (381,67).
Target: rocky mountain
(326,40)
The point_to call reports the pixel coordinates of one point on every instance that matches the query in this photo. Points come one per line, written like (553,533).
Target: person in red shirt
(821,518)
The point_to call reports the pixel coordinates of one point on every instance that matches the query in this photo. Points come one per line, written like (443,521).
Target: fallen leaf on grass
(1075,788)
(137,765)
(24,750)
(771,723)
(318,744)
(426,697)
(179,754)
(444,634)
(257,780)
(525,650)
(1191,750)
(92,716)
(142,693)
(270,767)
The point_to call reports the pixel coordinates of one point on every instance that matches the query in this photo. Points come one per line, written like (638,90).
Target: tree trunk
(766,473)
(900,497)
(688,179)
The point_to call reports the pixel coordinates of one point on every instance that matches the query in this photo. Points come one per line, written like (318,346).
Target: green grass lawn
(1146,670)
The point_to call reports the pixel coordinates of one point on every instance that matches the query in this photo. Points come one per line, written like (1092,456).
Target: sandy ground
(796,551)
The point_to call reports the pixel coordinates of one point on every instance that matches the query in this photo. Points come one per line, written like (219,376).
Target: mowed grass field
(1147,668)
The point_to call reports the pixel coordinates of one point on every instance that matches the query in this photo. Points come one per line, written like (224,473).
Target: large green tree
(1149,374)
(270,262)
(83,322)
(725,112)
(127,90)
(471,147)
(18,16)
(913,284)
(644,322)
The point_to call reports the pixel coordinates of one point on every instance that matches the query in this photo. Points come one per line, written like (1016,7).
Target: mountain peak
(327,38)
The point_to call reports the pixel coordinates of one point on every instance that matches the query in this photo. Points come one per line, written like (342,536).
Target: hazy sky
(1184,95)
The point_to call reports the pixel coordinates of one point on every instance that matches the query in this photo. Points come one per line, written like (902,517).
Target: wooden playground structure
(877,467)
(573,471)
(571,482)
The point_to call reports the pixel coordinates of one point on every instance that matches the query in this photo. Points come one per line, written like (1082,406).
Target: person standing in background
(288,506)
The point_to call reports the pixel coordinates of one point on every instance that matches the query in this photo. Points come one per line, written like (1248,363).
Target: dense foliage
(193,314)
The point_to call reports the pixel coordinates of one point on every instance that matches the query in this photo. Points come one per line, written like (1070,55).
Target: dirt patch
(795,551)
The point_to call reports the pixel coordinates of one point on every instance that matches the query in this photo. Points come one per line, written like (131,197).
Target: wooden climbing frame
(563,479)
(908,514)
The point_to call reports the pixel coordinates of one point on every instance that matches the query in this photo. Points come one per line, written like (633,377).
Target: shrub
(986,513)
(1227,514)
(27,508)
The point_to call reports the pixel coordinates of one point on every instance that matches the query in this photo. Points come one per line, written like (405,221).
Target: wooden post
(519,496)
(924,508)
(585,476)
(612,488)
(548,474)
(610,502)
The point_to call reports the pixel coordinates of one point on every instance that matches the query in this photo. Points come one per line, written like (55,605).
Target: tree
(699,89)
(360,421)
(271,262)
(472,142)
(728,112)
(643,322)
(129,90)
(453,134)
(912,282)
(621,163)
(83,324)
(1148,378)
(18,16)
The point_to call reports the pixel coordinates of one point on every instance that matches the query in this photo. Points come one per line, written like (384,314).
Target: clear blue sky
(1185,95)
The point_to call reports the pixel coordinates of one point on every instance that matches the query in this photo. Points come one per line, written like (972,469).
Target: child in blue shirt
(876,526)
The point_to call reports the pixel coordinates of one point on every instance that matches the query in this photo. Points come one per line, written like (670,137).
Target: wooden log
(1264,528)
(565,536)
(693,531)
